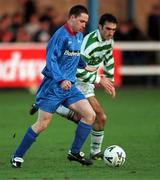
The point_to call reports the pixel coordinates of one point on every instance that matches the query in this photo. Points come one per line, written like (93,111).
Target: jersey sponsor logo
(72,53)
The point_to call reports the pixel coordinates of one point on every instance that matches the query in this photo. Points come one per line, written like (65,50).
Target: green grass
(133,123)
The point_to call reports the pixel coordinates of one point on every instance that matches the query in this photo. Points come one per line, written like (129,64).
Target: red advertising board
(21,65)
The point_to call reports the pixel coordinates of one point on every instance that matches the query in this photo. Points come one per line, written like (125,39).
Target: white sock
(96,141)
(65,112)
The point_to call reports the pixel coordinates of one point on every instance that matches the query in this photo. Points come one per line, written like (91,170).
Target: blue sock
(81,135)
(26,142)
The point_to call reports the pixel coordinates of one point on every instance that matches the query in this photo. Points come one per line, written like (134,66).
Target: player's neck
(69,27)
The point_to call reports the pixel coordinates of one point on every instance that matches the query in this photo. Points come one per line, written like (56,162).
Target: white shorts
(86,88)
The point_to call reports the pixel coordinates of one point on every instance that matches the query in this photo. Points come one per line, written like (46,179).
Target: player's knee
(91,117)
(101,118)
(42,124)
(42,127)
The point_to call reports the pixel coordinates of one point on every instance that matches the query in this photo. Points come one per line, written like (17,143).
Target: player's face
(79,22)
(107,30)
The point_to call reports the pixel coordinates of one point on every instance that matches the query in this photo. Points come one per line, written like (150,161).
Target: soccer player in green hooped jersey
(96,49)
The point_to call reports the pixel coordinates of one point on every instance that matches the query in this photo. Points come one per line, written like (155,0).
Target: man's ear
(72,17)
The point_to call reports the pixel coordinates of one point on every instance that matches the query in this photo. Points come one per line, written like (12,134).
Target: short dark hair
(77,10)
(107,18)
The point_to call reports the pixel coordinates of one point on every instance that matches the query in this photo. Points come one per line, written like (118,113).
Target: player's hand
(90,68)
(65,84)
(108,86)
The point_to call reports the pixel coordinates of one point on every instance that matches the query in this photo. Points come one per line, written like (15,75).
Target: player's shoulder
(112,42)
(59,36)
(61,32)
(89,39)
(91,35)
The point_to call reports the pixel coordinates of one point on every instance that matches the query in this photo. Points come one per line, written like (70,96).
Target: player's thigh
(84,108)
(43,120)
(44,116)
(95,105)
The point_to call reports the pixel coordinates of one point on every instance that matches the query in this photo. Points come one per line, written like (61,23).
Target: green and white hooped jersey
(96,52)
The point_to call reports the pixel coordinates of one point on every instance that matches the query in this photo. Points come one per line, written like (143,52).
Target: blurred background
(132,118)
(26,26)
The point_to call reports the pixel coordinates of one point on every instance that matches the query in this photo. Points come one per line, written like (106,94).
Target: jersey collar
(99,36)
(69,29)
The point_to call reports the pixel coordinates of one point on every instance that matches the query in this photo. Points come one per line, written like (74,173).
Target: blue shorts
(50,96)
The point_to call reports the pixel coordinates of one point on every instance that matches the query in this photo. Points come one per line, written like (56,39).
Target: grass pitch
(133,123)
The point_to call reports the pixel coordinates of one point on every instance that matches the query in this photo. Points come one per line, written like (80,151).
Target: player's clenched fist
(65,84)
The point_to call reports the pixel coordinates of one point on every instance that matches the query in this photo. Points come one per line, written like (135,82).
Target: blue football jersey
(63,55)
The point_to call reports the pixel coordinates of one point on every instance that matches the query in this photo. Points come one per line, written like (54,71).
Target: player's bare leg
(97,133)
(44,118)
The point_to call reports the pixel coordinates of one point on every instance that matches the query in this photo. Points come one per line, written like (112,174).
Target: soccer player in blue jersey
(58,87)
(96,49)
